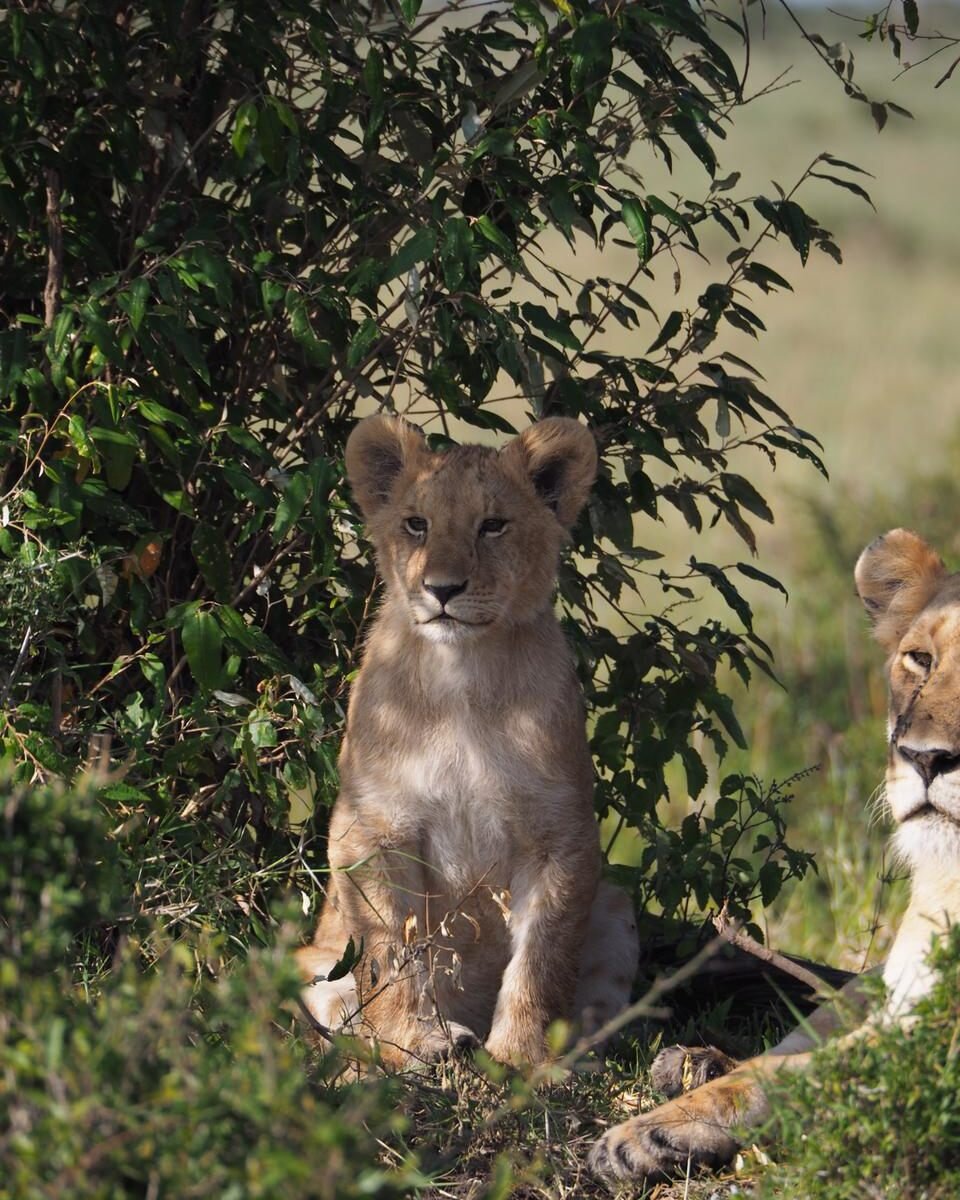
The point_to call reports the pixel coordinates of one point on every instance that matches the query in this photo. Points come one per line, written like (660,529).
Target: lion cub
(463,847)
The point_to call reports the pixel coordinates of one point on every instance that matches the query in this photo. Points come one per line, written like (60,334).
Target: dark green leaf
(373,74)
(671,327)
(743,492)
(139,295)
(416,249)
(771,880)
(202,642)
(845,183)
(558,330)
(362,342)
(296,493)
(213,558)
(490,231)
(848,166)
(761,576)
(635,218)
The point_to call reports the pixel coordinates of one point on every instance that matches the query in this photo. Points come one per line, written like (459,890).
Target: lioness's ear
(896,576)
(560,457)
(378,450)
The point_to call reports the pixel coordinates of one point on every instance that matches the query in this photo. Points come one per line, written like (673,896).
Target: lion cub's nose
(444,592)
(931,763)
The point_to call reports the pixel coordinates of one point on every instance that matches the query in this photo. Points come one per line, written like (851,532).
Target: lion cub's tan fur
(463,845)
(914,603)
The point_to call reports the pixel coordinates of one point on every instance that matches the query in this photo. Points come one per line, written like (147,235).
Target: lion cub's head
(914,603)
(468,539)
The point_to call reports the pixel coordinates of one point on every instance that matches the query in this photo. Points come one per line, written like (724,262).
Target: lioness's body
(463,845)
(915,605)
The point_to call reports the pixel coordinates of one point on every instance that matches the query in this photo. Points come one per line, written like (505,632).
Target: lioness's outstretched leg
(701,1126)
(698,1127)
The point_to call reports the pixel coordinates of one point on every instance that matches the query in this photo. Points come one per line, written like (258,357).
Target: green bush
(882,1118)
(180,1081)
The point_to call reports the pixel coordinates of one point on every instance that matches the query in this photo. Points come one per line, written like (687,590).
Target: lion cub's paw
(517,1048)
(679,1069)
(446,1041)
(654,1146)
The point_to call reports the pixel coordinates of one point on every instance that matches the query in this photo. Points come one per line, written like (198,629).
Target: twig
(730,932)
(317,1026)
(54,284)
(647,1006)
(11,678)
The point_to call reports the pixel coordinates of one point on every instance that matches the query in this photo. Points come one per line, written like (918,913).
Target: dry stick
(54,284)
(730,932)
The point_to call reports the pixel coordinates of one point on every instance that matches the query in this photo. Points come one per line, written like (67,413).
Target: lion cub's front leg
(551,908)
(377,898)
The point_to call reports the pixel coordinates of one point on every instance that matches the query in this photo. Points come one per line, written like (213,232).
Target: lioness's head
(469,538)
(914,603)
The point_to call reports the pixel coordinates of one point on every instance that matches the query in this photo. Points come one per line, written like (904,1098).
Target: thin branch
(54,284)
(21,658)
(730,932)
(647,1006)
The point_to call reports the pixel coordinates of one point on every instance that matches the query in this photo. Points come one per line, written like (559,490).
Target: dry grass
(492,1138)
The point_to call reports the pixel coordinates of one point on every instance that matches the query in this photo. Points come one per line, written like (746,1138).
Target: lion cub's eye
(415,526)
(918,661)
(492,527)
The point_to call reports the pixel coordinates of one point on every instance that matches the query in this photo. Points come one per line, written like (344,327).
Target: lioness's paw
(629,1152)
(655,1146)
(680,1069)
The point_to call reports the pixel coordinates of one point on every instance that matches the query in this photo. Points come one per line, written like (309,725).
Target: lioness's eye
(492,527)
(917,660)
(417,526)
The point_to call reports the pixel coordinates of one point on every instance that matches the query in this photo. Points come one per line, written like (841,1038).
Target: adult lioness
(914,603)
(463,846)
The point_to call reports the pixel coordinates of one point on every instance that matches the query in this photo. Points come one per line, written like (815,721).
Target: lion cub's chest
(467,792)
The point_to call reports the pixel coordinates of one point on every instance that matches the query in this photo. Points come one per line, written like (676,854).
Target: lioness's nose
(931,763)
(444,591)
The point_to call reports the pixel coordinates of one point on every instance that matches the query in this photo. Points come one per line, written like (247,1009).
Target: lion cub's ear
(378,451)
(559,456)
(896,577)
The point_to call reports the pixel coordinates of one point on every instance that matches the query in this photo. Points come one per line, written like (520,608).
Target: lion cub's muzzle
(444,592)
(445,610)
